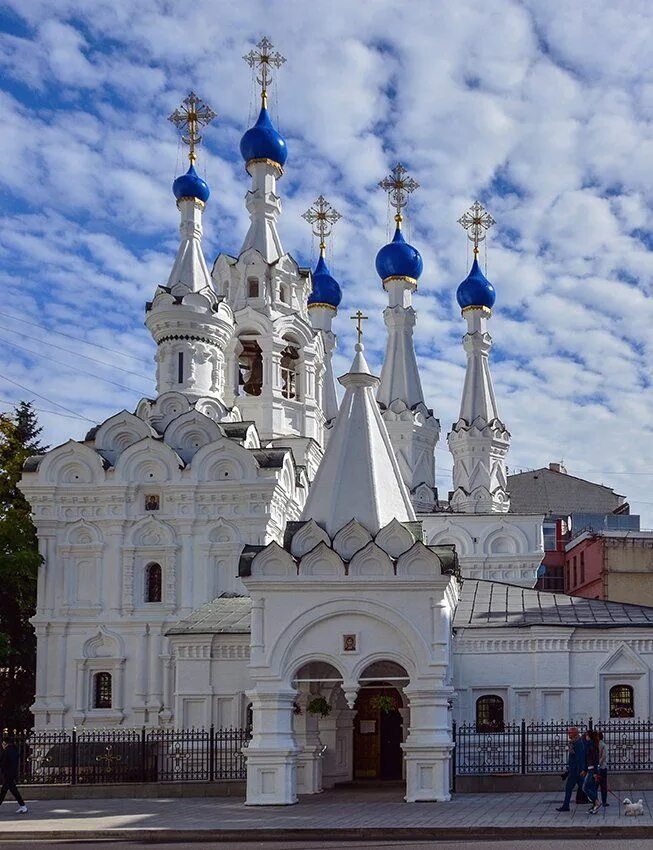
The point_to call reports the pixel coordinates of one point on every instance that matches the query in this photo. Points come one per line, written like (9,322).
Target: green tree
(19,563)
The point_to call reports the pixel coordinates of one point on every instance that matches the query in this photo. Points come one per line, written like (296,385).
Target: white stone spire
(190,268)
(264,208)
(479,440)
(413,429)
(359,477)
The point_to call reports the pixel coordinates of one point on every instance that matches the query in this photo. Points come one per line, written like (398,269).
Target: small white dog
(633,809)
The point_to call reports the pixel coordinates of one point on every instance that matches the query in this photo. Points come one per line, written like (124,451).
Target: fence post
(143,757)
(73,758)
(523,745)
(211,753)
(590,724)
(453,757)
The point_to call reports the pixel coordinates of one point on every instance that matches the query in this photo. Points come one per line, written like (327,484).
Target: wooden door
(377,737)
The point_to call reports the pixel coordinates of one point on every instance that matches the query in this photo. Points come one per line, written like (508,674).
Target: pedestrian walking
(590,784)
(603,770)
(9,759)
(576,766)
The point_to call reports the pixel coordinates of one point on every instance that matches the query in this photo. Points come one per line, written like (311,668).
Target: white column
(309,757)
(428,747)
(272,752)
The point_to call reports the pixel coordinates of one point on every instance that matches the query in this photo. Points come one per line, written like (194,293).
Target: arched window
(250,367)
(289,362)
(180,367)
(102,690)
(622,701)
(153,583)
(283,295)
(489,713)
(252,287)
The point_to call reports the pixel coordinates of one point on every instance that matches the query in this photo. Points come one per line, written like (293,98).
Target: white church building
(241,546)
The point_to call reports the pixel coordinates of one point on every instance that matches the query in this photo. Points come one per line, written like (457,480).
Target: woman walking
(9,759)
(593,757)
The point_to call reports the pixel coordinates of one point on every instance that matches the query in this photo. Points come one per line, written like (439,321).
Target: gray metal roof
(490,604)
(543,491)
(225,615)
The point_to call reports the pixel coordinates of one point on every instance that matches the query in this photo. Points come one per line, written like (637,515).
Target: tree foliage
(19,563)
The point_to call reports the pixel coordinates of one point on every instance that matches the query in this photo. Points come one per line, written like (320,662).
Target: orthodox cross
(476,221)
(188,118)
(109,759)
(399,185)
(322,216)
(359,318)
(264,60)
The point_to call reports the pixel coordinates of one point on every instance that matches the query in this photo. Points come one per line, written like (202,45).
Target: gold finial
(399,186)
(188,118)
(359,318)
(322,216)
(264,59)
(476,221)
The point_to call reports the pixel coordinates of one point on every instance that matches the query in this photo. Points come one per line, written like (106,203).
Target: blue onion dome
(264,141)
(191,185)
(476,290)
(399,259)
(326,289)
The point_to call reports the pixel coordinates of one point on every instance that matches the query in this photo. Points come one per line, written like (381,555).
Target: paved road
(590,844)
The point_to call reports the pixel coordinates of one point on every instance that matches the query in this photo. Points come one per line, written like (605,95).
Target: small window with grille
(489,714)
(153,583)
(622,701)
(252,287)
(102,690)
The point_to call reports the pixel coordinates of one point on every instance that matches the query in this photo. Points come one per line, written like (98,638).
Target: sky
(543,111)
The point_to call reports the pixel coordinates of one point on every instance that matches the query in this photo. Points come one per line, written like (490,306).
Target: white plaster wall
(551,673)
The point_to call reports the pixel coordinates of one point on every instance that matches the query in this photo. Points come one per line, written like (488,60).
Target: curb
(148,836)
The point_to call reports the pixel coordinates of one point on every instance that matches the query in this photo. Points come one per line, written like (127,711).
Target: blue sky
(542,110)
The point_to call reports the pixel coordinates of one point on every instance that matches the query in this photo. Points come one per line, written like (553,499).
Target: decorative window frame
(85,711)
(134,562)
(69,557)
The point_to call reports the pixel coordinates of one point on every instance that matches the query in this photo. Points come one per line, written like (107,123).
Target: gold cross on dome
(322,216)
(188,118)
(264,59)
(476,221)
(399,186)
(359,318)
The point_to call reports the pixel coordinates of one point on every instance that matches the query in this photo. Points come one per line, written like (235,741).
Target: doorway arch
(381,722)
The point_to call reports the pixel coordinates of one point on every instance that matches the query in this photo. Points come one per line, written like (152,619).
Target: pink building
(613,565)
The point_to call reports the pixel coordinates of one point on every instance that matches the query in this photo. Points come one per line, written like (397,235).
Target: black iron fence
(543,747)
(92,756)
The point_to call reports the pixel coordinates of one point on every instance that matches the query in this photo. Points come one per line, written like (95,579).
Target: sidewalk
(343,814)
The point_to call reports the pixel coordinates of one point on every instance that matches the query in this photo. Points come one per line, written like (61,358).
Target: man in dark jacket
(9,767)
(576,766)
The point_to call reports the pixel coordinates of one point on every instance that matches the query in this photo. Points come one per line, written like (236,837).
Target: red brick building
(612,565)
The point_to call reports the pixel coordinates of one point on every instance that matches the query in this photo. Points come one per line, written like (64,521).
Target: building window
(622,701)
(550,541)
(283,294)
(252,287)
(250,367)
(489,714)
(153,583)
(582,567)
(102,690)
(289,360)
(180,367)
(575,567)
